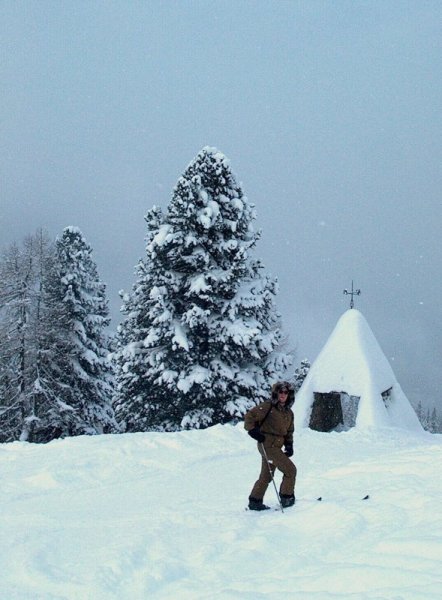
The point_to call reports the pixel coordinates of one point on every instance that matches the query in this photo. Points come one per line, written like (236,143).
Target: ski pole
(271,475)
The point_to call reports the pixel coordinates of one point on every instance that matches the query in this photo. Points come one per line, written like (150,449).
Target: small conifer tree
(301,374)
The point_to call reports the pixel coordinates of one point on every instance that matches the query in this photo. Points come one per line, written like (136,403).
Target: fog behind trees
(329,112)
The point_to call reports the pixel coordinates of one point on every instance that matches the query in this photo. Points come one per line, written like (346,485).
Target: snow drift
(161,515)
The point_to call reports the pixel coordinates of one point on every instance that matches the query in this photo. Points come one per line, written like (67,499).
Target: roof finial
(352,293)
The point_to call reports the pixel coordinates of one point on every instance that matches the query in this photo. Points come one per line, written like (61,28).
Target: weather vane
(352,293)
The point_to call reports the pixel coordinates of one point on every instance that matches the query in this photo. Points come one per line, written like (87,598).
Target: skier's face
(283,394)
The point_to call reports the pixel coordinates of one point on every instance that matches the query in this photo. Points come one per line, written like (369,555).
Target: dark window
(386,396)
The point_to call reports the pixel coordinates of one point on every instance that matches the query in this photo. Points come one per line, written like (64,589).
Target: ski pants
(278,460)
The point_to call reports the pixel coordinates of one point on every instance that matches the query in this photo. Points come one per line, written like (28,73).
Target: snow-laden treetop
(352,362)
(73,229)
(209,194)
(216,155)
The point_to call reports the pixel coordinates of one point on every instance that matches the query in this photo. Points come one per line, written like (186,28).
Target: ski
(278,508)
(270,509)
(319,499)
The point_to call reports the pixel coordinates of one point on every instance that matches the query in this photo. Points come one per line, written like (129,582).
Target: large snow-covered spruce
(199,342)
(79,400)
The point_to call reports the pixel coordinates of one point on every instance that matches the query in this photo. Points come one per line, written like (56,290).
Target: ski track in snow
(162,516)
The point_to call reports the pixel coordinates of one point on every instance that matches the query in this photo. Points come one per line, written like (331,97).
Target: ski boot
(287,500)
(255,504)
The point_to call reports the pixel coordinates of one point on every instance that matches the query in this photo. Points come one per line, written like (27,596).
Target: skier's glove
(288,450)
(256,434)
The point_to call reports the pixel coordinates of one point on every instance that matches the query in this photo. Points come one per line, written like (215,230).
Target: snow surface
(161,516)
(352,362)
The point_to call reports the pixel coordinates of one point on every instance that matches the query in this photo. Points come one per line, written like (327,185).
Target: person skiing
(271,424)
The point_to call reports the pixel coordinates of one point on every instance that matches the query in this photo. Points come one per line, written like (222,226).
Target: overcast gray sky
(330,112)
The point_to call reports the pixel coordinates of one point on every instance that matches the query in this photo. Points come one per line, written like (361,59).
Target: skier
(271,425)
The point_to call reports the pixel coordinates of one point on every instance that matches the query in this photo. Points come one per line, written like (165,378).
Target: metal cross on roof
(351,294)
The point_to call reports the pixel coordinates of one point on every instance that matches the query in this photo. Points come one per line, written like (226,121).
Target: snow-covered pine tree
(17,286)
(41,337)
(434,421)
(200,341)
(301,374)
(78,381)
(420,412)
(22,269)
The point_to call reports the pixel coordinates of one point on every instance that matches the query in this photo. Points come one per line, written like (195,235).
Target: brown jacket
(278,426)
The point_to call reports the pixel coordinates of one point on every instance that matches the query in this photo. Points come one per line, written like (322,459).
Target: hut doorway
(333,411)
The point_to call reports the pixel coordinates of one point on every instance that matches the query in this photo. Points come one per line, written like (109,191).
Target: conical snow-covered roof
(353,363)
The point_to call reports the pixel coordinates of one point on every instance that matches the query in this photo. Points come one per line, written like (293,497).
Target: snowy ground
(161,516)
